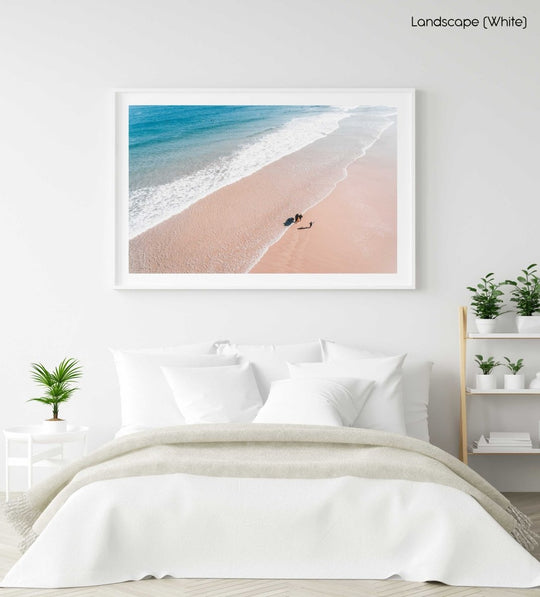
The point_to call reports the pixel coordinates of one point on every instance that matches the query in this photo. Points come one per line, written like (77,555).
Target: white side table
(33,435)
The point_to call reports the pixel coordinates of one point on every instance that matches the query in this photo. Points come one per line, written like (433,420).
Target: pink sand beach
(349,197)
(354,227)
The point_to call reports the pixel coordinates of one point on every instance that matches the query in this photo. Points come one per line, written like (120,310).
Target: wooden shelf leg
(463,383)
(7,470)
(30,454)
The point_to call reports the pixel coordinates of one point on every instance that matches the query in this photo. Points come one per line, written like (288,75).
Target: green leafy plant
(487,365)
(486,300)
(58,384)
(526,291)
(513,367)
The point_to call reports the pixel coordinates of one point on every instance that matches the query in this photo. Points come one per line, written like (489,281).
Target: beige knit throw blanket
(271,451)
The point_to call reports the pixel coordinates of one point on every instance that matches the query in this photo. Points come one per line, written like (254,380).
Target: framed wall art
(260,188)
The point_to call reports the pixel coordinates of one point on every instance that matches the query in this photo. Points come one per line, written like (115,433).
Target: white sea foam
(151,205)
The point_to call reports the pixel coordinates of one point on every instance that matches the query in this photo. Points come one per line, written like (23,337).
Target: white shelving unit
(466,393)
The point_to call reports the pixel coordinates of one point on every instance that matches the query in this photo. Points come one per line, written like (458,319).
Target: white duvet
(185,526)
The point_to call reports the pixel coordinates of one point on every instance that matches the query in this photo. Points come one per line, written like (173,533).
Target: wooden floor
(528,502)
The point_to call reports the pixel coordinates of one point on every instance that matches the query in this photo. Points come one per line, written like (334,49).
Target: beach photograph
(262,189)
(265,189)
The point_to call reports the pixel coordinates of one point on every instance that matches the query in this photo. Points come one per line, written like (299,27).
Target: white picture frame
(403,100)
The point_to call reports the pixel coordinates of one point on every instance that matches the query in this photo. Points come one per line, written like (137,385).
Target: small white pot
(52,426)
(486,326)
(535,383)
(514,382)
(528,324)
(486,382)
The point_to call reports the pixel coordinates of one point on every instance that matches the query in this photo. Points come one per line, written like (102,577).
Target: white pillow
(146,399)
(217,395)
(209,347)
(129,429)
(416,381)
(315,401)
(384,407)
(269,361)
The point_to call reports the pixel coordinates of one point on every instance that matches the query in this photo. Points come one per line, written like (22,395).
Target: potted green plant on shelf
(514,380)
(58,387)
(486,380)
(526,296)
(486,303)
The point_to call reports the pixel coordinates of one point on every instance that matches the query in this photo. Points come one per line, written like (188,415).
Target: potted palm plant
(486,380)
(526,296)
(514,380)
(58,388)
(486,303)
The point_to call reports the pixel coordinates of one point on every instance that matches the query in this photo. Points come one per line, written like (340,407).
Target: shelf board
(502,392)
(474,451)
(503,336)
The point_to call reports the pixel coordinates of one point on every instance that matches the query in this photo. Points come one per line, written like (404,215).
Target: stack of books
(504,441)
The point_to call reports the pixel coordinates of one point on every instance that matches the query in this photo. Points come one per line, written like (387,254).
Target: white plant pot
(528,324)
(486,382)
(514,382)
(535,382)
(486,326)
(50,426)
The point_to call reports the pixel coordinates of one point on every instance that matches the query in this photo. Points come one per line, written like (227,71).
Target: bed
(299,461)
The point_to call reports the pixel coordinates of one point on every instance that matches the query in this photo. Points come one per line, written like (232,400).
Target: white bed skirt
(189,526)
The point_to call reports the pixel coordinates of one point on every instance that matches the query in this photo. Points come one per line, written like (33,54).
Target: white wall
(478,121)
